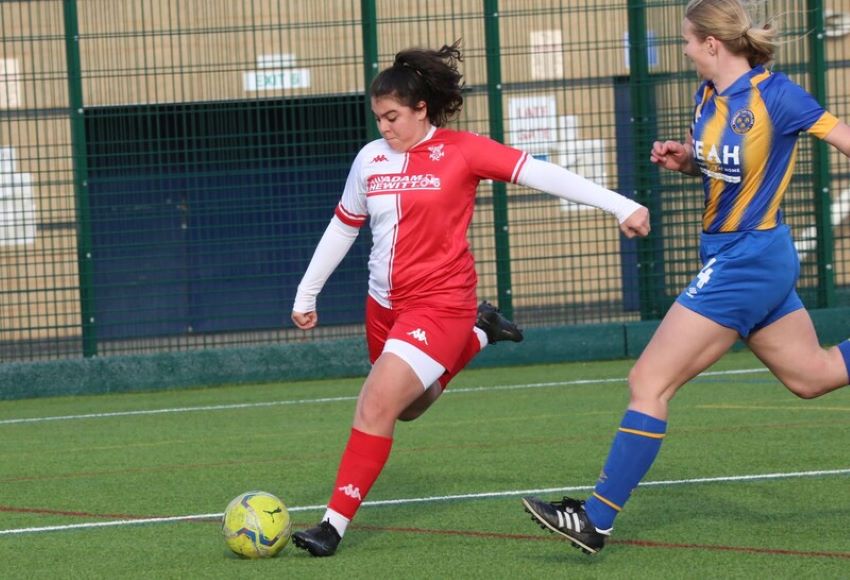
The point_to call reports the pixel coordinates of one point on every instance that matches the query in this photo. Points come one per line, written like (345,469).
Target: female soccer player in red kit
(417,186)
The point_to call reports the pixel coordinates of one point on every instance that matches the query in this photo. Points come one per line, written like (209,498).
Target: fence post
(497,132)
(81,177)
(820,161)
(369,29)
(650,251)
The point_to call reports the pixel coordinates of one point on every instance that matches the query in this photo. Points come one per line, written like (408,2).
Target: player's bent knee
(414,411)
(422,404)
(375,418)
(410,415)
(642,383)
(805,389)
(642,388)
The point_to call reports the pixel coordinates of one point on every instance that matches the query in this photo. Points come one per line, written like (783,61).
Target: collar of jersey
(742,84)
(427,136)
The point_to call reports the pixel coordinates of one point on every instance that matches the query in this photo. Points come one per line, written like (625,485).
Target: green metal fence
(169,165)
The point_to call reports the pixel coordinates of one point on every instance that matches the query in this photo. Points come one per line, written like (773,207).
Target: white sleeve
(332,248)
(556,180)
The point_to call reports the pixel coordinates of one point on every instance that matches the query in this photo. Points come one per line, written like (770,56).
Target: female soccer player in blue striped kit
(746,123)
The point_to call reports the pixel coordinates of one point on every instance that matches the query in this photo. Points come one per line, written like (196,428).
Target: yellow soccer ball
(256,524)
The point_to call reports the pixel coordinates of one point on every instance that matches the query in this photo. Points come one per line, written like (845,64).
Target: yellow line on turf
(796,407)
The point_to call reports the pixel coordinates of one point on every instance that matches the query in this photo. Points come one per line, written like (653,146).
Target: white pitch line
(432,499)
(337,399)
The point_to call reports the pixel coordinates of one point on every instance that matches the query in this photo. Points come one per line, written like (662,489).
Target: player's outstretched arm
(305,320)
(637,224)
(839,138)
(558,181)
(332,248)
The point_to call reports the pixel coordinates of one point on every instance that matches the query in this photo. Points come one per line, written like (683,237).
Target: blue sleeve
(791,108)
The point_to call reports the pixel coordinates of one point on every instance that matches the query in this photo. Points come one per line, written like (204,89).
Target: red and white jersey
(419,205)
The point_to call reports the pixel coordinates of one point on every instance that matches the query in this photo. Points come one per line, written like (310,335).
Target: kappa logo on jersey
(703,278)
(351,491)
(379,158)
(403,182)
(419,335)
(437,152)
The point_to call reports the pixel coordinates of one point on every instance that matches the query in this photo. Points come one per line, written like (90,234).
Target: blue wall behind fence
(203,217)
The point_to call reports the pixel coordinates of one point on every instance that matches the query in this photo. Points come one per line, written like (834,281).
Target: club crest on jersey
(743,121)
(437,152)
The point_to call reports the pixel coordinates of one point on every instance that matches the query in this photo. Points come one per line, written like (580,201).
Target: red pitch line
(742,549)
(475,534)
(23,510)
(639,543)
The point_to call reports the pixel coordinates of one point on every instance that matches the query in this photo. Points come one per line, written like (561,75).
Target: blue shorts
(748,279)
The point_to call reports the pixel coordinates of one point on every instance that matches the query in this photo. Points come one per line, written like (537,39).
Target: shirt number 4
(704,275)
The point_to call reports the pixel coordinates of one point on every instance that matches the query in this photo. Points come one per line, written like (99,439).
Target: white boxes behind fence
(17,203)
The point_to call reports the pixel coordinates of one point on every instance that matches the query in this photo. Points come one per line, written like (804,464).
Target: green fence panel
(168,166)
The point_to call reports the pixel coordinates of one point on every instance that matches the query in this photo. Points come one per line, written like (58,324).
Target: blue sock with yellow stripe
(634,449)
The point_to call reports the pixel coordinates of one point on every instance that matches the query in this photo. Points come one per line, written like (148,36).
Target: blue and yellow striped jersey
(745,144)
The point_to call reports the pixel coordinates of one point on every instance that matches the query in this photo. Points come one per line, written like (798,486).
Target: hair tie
(413,68)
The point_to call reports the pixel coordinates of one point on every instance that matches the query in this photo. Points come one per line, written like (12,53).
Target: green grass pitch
(750,482)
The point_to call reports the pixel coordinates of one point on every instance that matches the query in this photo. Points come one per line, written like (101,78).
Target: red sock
(362,461)
(472,348)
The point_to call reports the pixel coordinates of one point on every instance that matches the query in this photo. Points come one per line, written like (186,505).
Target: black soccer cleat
(567,518)
(496,326)
(321,540)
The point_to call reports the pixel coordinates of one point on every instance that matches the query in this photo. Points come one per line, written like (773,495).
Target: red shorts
(440,332)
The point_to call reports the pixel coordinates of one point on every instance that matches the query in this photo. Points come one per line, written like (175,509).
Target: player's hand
(672,155)
(305,320)
(637,224)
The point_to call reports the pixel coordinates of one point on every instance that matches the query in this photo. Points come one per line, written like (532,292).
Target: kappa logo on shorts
(703,278)
(419,335)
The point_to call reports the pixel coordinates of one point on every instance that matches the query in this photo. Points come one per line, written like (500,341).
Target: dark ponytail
(418,75)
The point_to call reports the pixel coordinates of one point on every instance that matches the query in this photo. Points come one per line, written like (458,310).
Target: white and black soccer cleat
(567,518)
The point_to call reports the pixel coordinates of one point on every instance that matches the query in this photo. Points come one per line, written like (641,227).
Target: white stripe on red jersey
(420,205)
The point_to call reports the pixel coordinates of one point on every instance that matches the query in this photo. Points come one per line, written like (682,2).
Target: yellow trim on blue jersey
(771,215)
(759,78)
(706,94)
(824,125)
(711,140)
(755,147)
